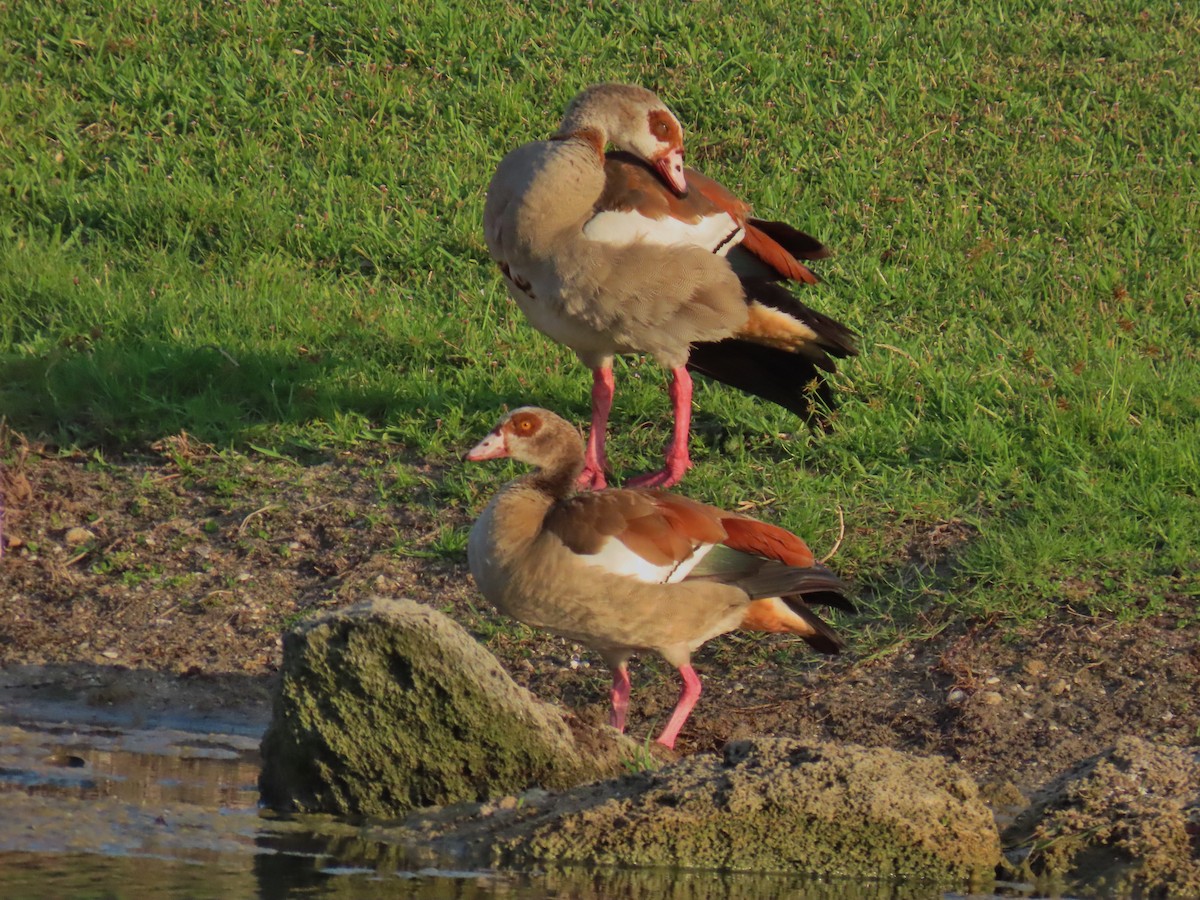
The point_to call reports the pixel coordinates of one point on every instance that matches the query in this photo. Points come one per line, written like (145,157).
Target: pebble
(990,698)
(958,695)
(1035,667)
(1059,686)
(77,535)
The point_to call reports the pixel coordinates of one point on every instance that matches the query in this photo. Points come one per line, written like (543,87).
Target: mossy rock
(777,804)
(1129,815)
(389,705)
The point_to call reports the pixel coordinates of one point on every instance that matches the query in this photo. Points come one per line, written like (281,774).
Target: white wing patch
(716,233)
(683,569)
(617,559)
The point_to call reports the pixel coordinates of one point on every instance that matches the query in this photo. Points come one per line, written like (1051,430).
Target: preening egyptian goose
(629,569)
(631,252)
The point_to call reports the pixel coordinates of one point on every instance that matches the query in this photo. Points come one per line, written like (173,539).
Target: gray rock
(1129,816)
(775,804)
(388,706)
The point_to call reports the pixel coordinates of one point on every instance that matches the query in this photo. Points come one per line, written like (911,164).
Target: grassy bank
(260,224)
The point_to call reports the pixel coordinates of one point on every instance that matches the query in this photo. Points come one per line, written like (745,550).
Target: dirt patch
(191,562)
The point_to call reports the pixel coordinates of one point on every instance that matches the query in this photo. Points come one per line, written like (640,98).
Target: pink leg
(677,459)
(687,699)
(594,461)
(620,698)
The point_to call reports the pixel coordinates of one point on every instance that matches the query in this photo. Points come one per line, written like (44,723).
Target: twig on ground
(261,509)
(841,534)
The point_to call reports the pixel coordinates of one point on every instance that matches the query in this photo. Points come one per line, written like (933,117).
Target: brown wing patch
(770,252)
(660,533)
(775,328)
(654,539)
(699,522)
(631,184)
(584,522)
(771,541)
(677,527)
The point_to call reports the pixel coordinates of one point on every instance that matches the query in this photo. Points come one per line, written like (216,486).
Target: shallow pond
(93,810)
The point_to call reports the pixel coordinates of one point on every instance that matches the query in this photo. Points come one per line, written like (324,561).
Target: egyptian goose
(630,569)
(631,252)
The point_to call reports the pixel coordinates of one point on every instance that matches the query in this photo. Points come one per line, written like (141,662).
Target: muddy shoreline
(158,586)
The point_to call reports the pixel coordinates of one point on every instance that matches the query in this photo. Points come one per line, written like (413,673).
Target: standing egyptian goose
(631,569)
(631,252)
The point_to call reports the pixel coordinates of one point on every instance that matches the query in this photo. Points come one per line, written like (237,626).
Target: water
(97,811)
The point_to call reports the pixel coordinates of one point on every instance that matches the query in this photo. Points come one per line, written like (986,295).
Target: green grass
(260,223)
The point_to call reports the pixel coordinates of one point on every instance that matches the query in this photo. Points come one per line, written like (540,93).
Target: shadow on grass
(122,396)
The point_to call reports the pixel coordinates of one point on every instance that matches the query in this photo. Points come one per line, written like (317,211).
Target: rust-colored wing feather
(720,197)
(771,252)
(796,242)
(653,538)
(763,539)
(698,521)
